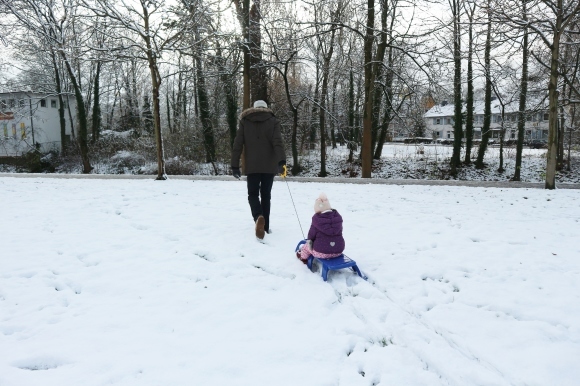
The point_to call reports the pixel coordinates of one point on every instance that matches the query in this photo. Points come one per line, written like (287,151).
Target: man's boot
(260,223)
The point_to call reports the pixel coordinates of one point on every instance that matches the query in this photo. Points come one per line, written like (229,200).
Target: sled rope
(295,211)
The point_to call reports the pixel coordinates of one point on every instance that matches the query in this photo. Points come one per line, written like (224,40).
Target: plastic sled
(332,264)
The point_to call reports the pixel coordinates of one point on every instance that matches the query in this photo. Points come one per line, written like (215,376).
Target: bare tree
(550,20)
(486,129)
(141,24)
(470,8)
(456,11)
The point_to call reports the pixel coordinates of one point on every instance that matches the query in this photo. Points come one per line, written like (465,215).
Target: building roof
(447,110)
(32,93)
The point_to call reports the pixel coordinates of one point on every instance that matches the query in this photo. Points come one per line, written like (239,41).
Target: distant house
(30,120)
(439,121)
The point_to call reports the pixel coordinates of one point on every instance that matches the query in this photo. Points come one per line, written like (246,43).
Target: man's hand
(282,170)
(236,173)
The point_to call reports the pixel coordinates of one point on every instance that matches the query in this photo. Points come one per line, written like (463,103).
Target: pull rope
(294,207)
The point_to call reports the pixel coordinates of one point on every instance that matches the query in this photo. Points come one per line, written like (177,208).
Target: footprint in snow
(39,363)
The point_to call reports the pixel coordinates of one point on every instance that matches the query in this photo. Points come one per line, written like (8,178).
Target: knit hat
(260,103)
(321,204)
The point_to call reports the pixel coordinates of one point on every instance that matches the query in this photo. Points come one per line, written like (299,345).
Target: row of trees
(335,71)
(510,23)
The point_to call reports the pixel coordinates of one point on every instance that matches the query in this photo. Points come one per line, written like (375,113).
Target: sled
(332,264)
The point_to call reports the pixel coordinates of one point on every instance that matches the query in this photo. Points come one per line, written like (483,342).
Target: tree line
(336,72)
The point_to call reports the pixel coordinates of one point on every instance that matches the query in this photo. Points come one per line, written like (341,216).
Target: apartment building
(30,120)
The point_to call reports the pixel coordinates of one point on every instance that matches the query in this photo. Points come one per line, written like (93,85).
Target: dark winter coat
(259,135)
(326,232)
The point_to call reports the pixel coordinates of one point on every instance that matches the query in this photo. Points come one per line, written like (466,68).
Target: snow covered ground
(142,282)
(431,162)
(399,161)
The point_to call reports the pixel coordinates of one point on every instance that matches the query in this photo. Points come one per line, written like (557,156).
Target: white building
(29,120)
(439,121)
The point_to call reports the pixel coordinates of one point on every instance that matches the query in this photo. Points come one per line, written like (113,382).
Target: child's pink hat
(321,204)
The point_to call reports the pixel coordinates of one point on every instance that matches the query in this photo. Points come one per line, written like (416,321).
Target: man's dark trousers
(259,194)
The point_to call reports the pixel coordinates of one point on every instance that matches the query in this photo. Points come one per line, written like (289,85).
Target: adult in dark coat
(260,138)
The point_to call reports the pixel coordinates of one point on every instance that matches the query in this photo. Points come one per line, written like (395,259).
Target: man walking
(260,138)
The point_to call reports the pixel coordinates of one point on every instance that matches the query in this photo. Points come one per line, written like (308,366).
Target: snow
(431,162)
(511,106)
(398,161)
(143,282)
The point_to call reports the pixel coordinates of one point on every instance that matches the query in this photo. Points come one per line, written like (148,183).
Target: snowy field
(142,282)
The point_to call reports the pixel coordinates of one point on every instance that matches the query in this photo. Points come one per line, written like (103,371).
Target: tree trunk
(258,73)
(168,108)
(314,111)
(61,117)
(82,117)
(383,133)
(366,153)
(458,116)
(469,102)
(322,110)
(228,81)
(485,131)
(570,136)
(204,111)
(351,137)
(561,131)
(553,105)
(296,168)
(501,138)
(387,115)
(378,72)
(333,121)
(523,97)
(96,121)
(322,122)
(155,86)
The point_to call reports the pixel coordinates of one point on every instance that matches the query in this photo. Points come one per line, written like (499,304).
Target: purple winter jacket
(326,232)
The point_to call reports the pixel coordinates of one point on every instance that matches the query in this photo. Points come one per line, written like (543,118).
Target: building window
(53,103)
(437,134)
(21,103)
(22,130)
(3,105)
(14,130)
(43,103)
(546,116)
(437,121)
(5,127)
(448,134)
(12,103)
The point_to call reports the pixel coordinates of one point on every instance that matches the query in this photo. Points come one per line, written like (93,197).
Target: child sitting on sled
(325,239)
